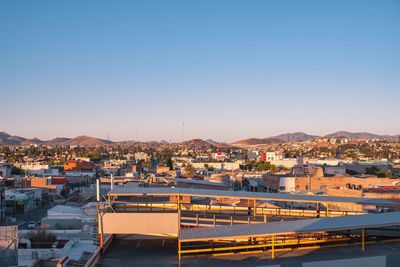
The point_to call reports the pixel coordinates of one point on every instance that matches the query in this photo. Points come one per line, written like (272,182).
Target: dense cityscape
(224,133)
(49,190)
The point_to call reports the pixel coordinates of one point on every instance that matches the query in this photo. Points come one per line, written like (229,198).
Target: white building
(252,155)
(228,166)
(5,170)
(40,169)
(287,184)
(273,156)
(141,156)
(81,173)
(22,199)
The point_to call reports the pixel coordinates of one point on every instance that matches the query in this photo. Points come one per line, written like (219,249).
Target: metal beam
(363,243)
(290,243)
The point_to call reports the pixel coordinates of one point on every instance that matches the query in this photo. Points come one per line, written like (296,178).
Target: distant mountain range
(212,142)
(295,137)
(257,141)
(299,137)
(283,138)
(7,139)
(365,136)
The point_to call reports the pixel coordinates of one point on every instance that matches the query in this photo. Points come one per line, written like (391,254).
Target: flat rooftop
(152,253)
(200,182)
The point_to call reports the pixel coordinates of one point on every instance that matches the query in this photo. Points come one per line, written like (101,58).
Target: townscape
(49,189)
(201,133)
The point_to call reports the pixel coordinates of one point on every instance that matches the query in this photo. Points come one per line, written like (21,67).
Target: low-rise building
(295,184)
(162,169)
(39,169)
(5,170)
(141,156)
(252,155)
(361,167)
(53,189)
(2,202)
(80,168)
(268,156)
(229,166)
(22,199)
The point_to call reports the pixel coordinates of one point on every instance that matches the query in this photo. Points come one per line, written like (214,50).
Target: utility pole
(98,189)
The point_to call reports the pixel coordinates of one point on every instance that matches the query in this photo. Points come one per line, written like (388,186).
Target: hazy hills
(257,141)
(364,136)
(283,138)
(299,137)
(295,137)
(7,139)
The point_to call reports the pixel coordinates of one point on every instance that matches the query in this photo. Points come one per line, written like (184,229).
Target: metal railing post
(273,247)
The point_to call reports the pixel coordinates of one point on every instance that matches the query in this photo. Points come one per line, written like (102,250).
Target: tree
(372,170)
(386,174)
(381,174)
(263,166)
(249,165)
(273,169)
(94,156)
(147,164)
(189,170)
(167,162)
(351,172)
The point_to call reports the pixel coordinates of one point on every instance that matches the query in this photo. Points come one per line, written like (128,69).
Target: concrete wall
(64,234)
(287,184)
(271,183)
(362,168)
(286,163)
(29,255)
(230,166)
(60,222)
(334,182)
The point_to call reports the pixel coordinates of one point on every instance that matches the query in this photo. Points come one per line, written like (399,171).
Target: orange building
(39,182)
(79,165)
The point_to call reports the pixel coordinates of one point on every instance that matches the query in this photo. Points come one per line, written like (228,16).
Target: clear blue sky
(227,69)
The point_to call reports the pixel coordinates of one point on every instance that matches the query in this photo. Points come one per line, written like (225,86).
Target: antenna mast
(183,131)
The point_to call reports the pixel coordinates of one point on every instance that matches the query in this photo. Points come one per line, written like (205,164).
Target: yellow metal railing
(220,209)
(271,242)
(198,221)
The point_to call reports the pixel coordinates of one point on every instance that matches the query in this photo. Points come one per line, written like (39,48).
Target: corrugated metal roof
(247,195)
(289,227)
